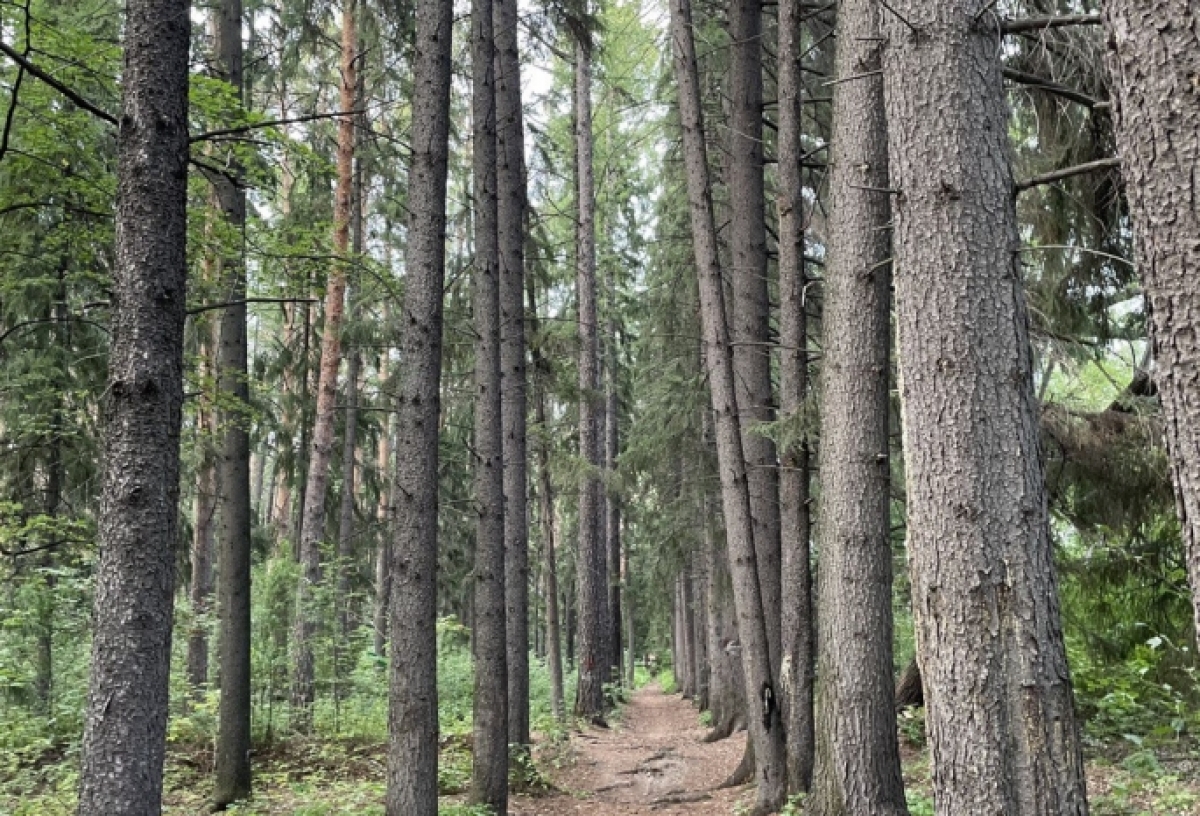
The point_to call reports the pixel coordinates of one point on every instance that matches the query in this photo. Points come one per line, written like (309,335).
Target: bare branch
(1027,24)
(1066,173)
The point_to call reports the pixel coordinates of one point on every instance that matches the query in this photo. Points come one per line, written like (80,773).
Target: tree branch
(1026,24)
(1066,173)
(234,131)
(209,307)
(66,91)
(1049,86)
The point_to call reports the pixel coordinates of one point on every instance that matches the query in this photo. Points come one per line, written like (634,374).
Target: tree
(511,223)
(766,733)
(125,731)
(413,721)
(592,559)
(489,774)
(999,706)
(797,640)
(233,383)
(858,759)
(313,527)
(1153,64)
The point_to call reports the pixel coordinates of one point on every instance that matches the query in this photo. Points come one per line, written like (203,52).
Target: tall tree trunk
(798,641)
(858,758)
(546,513)
(1155,68)
(232,772)
(592,562)
(383,517)
(766,731)
(751,313)
(511,221)
(204,523)
(1001,725)
(345,539)
(630,646)
(698,588)
(489,776)
(313,526)
(612,500)
(413,719)
(124,737)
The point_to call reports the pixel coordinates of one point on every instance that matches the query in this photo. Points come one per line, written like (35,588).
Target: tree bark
(1155,70)
(797,639)
(383,516)
(546,513)
(489,776)
(345,539)
(511,223)
(858,758)
(1001,726)
(766,732)
(750,316)
(124,736)
(592,561)
(413,719)
(203,535)
(313,527)
(232,771)
(612,500)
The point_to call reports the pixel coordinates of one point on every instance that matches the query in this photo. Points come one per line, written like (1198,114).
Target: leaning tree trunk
(489,777)
(1001,725)
(766,730)
(232,772)
(412,698)
(797,640)
(592,561)
(125,727)
(313,527)
(1154,61)
(511,220)
(858,759)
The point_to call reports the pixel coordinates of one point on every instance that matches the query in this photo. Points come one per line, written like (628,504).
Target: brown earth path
(652,761)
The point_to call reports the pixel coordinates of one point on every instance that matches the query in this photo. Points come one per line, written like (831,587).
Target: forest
(748,407)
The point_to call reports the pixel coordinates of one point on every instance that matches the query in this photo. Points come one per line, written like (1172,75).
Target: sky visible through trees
(399,399)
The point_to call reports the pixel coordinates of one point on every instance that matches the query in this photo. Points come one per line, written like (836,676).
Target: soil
(651,761)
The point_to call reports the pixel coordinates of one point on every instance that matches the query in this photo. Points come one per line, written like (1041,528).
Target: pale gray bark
(592,560)
(232,771)
(766,731)
(1154,61)
(511,222)
(125,725)
(1001,725)
(489,772)
(412,721)
(858,759)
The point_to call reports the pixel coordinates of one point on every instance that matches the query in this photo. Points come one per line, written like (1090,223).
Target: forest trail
(651,761)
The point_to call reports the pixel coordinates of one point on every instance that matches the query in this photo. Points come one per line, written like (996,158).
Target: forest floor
(651,760)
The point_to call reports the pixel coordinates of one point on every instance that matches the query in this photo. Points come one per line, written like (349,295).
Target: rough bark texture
(1154,61)
(232,771)
(489,775)
(412,721)
(125,727)
(797,637)
(1001,727)
(858,759)
(751,313)
(766,730)
(510,185)
(592,561)
(313,527)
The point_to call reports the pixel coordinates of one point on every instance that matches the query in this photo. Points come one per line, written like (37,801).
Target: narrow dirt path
(652,761)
